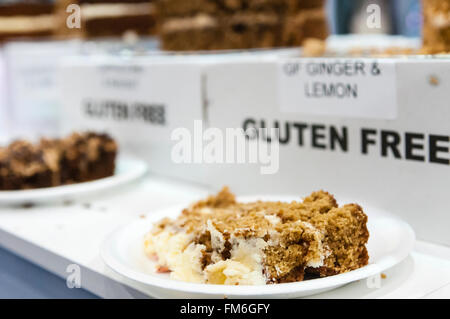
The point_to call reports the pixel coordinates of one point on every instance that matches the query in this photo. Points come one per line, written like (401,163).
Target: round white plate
(391,240)
(127,170)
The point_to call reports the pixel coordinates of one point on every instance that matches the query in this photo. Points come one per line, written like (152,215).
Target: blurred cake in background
(436,29)
(305,19)
(26,18)
(80,157)
(107,18)
(239,24)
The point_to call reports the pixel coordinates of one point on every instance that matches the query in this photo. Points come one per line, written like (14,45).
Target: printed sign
(140,101)
(355,88)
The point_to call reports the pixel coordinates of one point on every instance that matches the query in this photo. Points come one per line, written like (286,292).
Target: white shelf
(59,235)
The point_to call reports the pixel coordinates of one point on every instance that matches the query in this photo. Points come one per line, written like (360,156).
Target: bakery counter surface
(66,238)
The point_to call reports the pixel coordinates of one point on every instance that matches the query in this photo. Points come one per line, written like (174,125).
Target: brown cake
(26,18)
(24,165)
(87,157)
(222,241)
(436,28)
(307,24)
(53,162)
(108,18)
(239,24)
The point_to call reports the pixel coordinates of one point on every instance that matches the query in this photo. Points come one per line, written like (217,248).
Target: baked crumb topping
(221,241)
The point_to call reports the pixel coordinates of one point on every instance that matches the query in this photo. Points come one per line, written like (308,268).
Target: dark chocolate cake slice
(78,158)
(88,156)
(25,166)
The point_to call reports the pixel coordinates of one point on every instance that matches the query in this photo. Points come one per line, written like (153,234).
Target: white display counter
(58,235)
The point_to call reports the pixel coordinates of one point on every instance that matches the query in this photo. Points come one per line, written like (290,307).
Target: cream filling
(202,21)
(112,10)
(244,267)
(188,265)
(27,24)
(176,251)
(198,22)
(184,259)
(440,20)
(167,245)
(217,240)
(317,255)
(273,219)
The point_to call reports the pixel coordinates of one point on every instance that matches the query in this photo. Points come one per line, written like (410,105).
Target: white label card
(140,100)
(355,88)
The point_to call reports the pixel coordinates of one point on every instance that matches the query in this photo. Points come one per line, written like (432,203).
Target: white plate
(391,240)
(127,170)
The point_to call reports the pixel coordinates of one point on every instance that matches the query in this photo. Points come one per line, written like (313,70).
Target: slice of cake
(243,30)
(239,24)
(222,241)
(26,18)
(108,18)
(436,27)
(87,156)
(24,166)
(80,157)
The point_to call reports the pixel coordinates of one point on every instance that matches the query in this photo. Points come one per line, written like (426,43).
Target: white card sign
(141,100)
(32,85)
(355,88)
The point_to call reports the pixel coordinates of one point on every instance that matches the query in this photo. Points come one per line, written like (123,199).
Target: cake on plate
(222,241)
(81,157)
(239,24)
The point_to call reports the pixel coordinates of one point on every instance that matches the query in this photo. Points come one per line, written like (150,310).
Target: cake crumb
(313,47)
(27,205)
(162,269)
(433,80)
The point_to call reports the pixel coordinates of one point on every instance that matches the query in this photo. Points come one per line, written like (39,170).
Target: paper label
(139,100)
(33,86)
(355,88)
